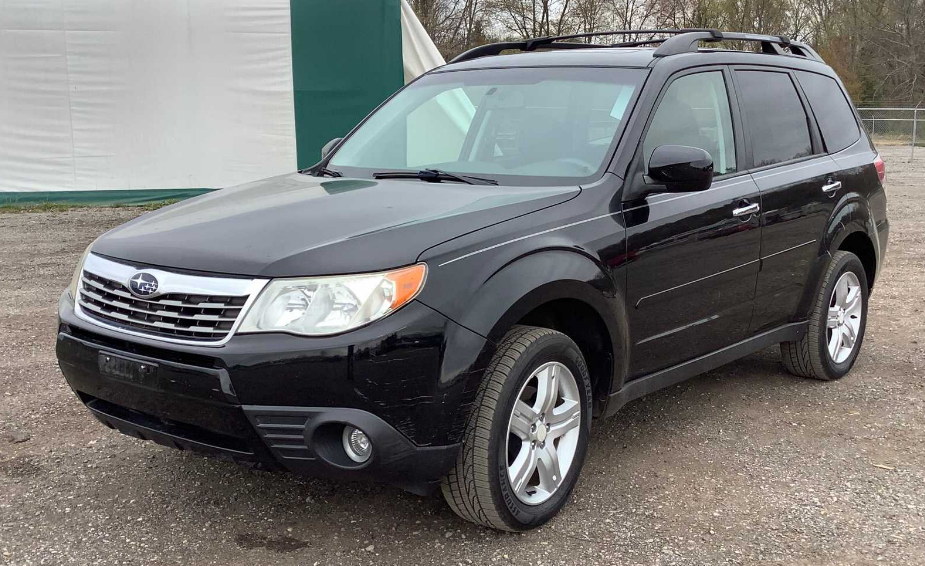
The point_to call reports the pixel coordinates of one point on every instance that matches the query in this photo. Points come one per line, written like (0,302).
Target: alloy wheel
(543,433)
(843,322)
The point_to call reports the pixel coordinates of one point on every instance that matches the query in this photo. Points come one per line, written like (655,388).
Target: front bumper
(282,401)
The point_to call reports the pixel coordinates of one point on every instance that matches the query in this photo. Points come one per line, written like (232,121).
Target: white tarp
(137,94)
(418,50)
(142,94)
(421,55)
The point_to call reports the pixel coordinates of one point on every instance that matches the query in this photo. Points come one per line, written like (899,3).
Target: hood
(295,225)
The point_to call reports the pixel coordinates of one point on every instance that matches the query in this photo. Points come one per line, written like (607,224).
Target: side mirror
(681,168)
(329,146)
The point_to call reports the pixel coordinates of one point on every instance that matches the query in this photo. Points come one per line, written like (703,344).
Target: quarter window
(835,117)
(695,112)
(777,124)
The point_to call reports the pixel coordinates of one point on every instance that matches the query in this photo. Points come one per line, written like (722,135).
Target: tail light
(881,167)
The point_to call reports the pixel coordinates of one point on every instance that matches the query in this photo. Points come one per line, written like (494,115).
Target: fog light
(357,444)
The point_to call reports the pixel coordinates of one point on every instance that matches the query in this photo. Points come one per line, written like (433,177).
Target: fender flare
(850,215)
(510,292)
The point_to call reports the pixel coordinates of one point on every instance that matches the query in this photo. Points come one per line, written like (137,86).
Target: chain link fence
(895,125)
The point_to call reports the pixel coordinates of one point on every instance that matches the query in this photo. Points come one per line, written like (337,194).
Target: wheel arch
(562,289)
(581,322)
(852,228)
(860,244)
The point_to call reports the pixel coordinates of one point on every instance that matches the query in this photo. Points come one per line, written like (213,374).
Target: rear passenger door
(795,177)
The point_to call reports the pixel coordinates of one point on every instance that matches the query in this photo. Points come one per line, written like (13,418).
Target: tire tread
(800,357)
(467,487)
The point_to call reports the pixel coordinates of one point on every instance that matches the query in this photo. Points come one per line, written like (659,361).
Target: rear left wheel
(835,330)
(526,439)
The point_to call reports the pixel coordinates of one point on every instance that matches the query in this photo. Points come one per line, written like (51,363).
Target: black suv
(508,247)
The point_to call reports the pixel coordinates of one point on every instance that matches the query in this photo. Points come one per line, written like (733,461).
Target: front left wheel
(526,439)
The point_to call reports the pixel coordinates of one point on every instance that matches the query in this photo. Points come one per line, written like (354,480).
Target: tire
(811,356)
(479,488)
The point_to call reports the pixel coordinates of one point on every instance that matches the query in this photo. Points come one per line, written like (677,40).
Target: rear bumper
(213,405)
(883,234)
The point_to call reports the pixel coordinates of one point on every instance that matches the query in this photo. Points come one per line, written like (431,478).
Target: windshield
(518,126)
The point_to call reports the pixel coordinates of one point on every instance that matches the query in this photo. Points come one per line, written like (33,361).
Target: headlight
(75,279)
(320,306)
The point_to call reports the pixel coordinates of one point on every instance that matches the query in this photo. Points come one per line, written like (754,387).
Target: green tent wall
(346,59)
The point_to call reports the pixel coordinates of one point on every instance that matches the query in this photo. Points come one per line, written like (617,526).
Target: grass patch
(899,139)
(61,207)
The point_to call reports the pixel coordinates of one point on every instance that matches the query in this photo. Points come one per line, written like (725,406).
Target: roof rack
(559,42)
(679,41)
(770,44)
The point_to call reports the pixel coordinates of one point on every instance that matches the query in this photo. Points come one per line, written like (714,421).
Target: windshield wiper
(434,176)
(324,171)
(321,172)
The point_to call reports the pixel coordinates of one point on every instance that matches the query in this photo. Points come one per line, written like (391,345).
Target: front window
(695,112)
(518,126)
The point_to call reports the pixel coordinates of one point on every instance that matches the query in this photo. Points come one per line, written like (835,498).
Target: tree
(876,46)
(533,18)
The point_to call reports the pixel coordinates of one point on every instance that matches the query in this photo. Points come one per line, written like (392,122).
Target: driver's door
(693,257)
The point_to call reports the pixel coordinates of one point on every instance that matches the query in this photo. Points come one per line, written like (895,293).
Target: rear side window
(777,123)
(836,120)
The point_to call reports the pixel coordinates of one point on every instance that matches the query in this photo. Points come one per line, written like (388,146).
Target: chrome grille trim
(161,313)
(188,309)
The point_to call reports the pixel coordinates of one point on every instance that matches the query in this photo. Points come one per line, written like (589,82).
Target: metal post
(873,125)
(915,122)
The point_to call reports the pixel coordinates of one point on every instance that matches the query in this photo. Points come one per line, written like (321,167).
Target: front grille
(176,315)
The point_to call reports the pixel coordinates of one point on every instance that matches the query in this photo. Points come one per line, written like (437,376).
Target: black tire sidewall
(848,262)
(552,348)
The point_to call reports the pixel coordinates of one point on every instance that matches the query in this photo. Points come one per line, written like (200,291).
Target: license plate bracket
(126,369)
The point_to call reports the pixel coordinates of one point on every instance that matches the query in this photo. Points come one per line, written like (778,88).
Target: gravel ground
(743,465)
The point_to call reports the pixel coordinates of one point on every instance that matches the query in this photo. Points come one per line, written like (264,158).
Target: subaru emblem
(143,284)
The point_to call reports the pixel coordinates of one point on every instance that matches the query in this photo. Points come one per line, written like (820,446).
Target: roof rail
(771,44)
(559,42)
(679,41)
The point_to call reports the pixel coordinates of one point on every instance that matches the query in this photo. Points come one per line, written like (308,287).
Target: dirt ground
(743,465)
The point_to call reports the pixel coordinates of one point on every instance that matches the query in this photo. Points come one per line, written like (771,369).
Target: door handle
(747,210)
(831,187)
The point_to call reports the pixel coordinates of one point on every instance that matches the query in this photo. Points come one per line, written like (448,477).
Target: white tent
(140,95)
